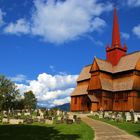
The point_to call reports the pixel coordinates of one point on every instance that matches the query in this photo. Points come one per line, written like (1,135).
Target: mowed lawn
(45,132)
(129,127)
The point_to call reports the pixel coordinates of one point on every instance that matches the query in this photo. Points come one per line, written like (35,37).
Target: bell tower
(116,51)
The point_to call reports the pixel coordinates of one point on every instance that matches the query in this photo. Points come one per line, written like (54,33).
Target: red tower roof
(116,32)
(116,51)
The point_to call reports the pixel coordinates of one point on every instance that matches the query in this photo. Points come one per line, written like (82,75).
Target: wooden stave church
(112,84)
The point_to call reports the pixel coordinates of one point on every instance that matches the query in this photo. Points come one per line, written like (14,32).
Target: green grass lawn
(45,132)
(129,127)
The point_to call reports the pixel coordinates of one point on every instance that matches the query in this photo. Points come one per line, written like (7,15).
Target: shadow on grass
(32,132)
(137,133)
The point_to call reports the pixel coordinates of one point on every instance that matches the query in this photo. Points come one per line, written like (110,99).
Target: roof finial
(116,32)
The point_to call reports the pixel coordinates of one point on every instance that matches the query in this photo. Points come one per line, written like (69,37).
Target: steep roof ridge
(84,74)
(131,53)
(107,68)
(115,69)
(80,90)
(130,61)
(88,65)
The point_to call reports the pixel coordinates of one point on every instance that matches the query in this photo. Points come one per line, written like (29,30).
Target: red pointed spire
(116,51)
(116,33)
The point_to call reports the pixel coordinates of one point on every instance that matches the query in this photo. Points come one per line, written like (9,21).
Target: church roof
(106,84)
(120,84)
(85,74)
(126,63)
(80,90)
(123,84)
(104,65)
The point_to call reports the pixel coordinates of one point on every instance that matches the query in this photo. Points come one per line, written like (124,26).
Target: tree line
(11,98)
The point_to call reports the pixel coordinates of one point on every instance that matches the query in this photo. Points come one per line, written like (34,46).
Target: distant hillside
(64,107)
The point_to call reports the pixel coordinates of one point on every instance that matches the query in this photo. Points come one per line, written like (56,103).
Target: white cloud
(19,78)
(98,24)
(136,31)
(21,26)
(61,21)
(51,90)
(133,3)
(67,20)
(125,36)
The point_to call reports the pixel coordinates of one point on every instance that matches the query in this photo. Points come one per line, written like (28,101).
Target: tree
(30,101)
(1,101)
(8,93)
(19,104)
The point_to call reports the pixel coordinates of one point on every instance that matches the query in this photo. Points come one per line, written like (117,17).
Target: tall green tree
(30,101)
(8,93)
(19,104)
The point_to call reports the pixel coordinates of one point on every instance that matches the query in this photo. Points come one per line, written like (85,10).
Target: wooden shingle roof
(80,90)
(123,84)
(120,84)
(85,74)
(126,63)
(104,65)
(106,84)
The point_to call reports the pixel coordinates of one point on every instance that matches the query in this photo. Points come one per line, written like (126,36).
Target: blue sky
(44,40)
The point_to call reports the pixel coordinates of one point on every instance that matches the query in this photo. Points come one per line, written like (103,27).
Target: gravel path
(104,131)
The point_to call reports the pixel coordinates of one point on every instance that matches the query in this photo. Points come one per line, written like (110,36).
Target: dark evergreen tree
(30,101)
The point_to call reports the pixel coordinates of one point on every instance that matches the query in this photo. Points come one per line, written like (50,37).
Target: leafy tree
(19,104)
(8,93)
(1,101)
(30,101)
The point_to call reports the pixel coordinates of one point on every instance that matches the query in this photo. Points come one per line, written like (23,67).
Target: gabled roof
(85,74)
(126,63)
(80,90)
(120,84)
(104,65)
(106,84)
(123,84)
